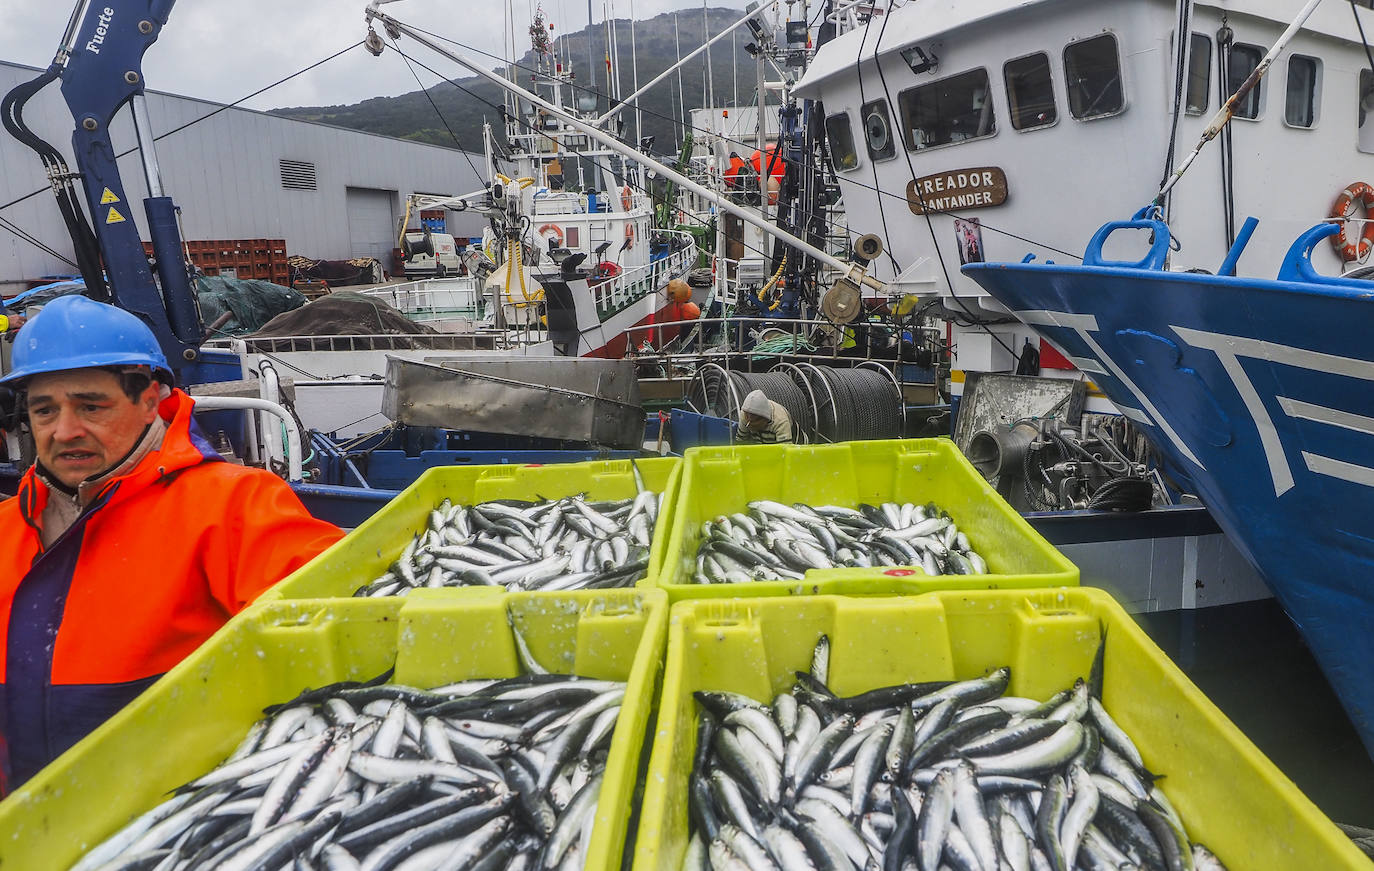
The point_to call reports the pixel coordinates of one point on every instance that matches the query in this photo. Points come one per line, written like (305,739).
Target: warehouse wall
(224,173)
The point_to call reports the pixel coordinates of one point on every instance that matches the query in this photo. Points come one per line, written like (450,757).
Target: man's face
(83,423)
(754,422)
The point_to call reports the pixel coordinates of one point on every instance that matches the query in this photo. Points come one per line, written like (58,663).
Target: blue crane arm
(100,65)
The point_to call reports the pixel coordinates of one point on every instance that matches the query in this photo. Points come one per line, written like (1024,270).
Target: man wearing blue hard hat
(130,541)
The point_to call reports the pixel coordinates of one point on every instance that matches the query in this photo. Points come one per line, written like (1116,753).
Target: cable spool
(853,404)
(877,403)
(825,403)
(719,392)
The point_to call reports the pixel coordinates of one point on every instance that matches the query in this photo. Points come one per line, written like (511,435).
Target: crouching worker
(130,541)
(763,420)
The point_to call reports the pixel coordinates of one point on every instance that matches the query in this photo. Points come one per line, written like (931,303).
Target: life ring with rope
(551,230)
(1351,252)
(627,198)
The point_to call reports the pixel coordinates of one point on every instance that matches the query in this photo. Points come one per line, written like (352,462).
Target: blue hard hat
(73,332)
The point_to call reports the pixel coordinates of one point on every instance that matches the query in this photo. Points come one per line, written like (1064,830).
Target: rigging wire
(930,225)
(581,153)
(873,164)
(28,237)
(1228,183)
(871,188)
(1368,53)
(442,119)
(1183,39)
(208,115)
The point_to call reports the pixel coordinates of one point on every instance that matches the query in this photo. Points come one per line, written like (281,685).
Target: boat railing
(633,284)
(758,344)
(481,340)
(546,204)
(850,14)
(432,296)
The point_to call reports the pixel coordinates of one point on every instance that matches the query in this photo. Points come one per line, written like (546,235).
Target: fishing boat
(979,131)
(1257,392)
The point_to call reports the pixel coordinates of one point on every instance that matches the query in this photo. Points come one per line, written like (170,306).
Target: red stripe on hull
(615,348)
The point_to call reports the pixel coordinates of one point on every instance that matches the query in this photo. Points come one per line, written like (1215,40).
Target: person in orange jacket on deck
(732,171)
(130,541)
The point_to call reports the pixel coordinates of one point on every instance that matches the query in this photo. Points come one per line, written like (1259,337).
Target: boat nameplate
(976,187)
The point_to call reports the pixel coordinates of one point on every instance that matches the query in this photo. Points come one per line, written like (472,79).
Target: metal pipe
(73,26)
(852,271)
(661,76)
(293,435)
(143,132)
(1228,109)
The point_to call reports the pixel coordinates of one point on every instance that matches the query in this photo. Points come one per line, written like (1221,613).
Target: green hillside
(464,103)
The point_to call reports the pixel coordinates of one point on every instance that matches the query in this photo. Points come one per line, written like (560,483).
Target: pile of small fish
(774,542)
(480,775)
(926,777)
(568,544)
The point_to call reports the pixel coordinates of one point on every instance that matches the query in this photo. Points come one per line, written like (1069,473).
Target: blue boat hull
(1262,392)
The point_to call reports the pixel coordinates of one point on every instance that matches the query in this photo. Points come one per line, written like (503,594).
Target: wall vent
(297,175)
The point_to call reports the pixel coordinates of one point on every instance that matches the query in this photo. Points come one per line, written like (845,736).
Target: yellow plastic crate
(716,481)
(194,717)
(1231,797)
(366,552)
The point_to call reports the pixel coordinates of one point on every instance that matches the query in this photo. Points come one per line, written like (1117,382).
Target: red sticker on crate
(899,573)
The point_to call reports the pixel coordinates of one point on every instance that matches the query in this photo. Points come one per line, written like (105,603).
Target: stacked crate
(670,638)
(260,259)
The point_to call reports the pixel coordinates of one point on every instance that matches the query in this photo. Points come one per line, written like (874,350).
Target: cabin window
(841,142)
(1199,74)
(1304,90)
(1092,73)
(570,238)
(878,130)
(1242,62)
(1030,91)
(1365,142)
(955,109)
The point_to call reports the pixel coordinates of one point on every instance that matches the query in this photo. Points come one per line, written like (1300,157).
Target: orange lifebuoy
(552,230)
(1344,208)
(627,198)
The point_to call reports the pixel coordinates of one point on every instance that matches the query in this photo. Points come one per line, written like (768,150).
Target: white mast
(681,95)
(710,77)
(634,67)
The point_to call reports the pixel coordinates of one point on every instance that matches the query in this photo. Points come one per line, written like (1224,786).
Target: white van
(428,253)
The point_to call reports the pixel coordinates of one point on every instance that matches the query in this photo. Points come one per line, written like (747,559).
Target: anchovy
(342,781)
(771,541)
(917,777)
(565,544)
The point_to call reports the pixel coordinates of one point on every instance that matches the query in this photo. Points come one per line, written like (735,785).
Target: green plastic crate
(366,552)
(716,481)
(1232,798)
(195,716)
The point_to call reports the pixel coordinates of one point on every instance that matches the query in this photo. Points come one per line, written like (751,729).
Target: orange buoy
(679,291)
(690,311)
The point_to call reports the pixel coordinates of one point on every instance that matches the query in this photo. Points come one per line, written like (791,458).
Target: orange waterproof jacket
(157,562)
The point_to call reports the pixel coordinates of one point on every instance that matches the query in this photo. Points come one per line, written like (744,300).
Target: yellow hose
(514,261)
(763,291)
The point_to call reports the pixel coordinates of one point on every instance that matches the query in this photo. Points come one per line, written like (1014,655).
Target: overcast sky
(223,50)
